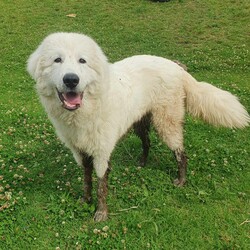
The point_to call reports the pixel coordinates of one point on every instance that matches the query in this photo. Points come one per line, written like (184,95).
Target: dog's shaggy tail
(215,106)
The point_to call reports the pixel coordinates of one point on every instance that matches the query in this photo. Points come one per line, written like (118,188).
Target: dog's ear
(33,64)
(100,62)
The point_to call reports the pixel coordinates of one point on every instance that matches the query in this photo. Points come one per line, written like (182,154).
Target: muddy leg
(168,122)
(142,129)
(102,192)
(88,170)
(182,167)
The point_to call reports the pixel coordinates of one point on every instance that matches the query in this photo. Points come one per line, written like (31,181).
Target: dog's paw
(179,182)
(101,216)
(143,161)
(86,200)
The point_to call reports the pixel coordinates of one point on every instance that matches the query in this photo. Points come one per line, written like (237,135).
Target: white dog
(92,103)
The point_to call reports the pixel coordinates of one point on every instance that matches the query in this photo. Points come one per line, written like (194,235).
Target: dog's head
(67,65)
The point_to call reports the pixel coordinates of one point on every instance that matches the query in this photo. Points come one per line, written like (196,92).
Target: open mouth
(71,100)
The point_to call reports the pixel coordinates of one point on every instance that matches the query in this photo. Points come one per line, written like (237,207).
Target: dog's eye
(58,60)
(81,60)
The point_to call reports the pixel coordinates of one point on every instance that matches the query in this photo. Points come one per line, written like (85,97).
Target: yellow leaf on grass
(71,15)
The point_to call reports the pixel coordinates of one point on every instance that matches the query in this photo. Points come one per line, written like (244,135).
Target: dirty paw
(143,161)
(87,200)
(101,216)
(179,182)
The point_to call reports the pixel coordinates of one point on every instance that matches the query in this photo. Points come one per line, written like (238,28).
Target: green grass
(40,184)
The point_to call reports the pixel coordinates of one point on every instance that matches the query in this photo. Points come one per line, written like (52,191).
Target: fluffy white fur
(117,95)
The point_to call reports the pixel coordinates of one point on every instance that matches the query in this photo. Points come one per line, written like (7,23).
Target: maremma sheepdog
(93,103)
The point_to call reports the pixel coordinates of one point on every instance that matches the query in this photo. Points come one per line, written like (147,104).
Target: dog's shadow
(128,153)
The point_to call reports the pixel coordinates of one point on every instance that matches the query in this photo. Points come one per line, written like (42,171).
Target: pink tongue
(73,98)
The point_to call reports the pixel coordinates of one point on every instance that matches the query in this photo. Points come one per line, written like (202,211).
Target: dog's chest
(87,136)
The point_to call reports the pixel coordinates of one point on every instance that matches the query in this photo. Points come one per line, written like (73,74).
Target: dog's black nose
(71,80)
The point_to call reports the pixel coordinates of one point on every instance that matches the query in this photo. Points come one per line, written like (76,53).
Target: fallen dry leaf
(71,15)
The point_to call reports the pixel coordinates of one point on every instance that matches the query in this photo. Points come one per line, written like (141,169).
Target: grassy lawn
(40,184)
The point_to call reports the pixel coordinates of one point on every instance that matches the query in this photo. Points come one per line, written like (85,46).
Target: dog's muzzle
(71,80)
(70,100)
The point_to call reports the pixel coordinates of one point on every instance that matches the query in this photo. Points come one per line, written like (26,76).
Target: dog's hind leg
(142,128)
(169,124)
(181,159)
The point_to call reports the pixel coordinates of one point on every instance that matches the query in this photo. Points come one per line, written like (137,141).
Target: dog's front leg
(88,170)
(102,192)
